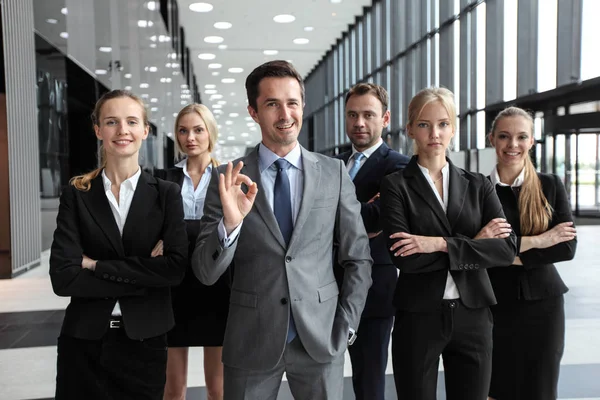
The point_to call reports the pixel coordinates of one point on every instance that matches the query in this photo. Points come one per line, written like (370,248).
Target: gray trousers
(308,379)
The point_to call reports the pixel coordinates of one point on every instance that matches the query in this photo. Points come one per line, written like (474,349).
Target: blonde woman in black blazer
(529,319)
(113,340)
(431,212)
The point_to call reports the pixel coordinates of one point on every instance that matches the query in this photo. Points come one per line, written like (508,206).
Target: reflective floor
(30,318)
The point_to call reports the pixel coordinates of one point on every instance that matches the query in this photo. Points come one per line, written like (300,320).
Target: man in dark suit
(368,162)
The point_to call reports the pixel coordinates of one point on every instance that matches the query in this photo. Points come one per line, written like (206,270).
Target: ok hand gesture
(236,204)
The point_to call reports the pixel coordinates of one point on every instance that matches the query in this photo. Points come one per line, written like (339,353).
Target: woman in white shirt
(200,311)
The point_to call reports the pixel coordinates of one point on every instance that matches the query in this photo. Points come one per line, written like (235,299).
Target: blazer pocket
(328,291)
(243,299)
(325,202)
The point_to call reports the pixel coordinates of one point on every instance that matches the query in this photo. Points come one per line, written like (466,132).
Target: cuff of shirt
(227,241)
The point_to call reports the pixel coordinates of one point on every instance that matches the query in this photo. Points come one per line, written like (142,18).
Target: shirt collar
(368,152)
(444,171)
(132,181)
(183,165)
(495,178)
(266,157)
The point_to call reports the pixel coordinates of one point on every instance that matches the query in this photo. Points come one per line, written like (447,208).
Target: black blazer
(124,271)
(408,204)
(537,278)
(367,182)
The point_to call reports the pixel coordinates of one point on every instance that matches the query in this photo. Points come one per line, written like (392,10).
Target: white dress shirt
(495,178)
(367,153)
(120,208)
(193,199)
(268,174)
(450,291)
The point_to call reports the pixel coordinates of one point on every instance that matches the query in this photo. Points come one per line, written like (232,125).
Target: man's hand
(88,263)
(413,244)
(157,250)
(373,198)
(236,204)
(497,228)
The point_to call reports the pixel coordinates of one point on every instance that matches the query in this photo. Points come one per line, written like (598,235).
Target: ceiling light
(183,102)
(152,45)
(127,76)
(164,38)
(101,72)
(127,88)
(236,70)
(222,102)
(152,5)
(64,35)
(153,38)
(308,29)
(151,69)
(244,134)
(154,109)
(284,18)
(230,137)
(168,65)
(105,49)
(228,80)
(216,73)
(206,56)
(144,86)
(253,128)
(154,100)
(333,14)
(52,21)
(64,11)
(210,91)
(250,124)
(214,66)
(201,7)
(217,106)
(301,41)
(216,96)
(175,114)
(335,1)
(248,141)
(210,86)
(218,111)
(222,25)
(213,39)
(270,52)
(248,118)
(228,122)
(174,65)
(232,94)
(233,115)
(145,24)
(165,80)
(222,46)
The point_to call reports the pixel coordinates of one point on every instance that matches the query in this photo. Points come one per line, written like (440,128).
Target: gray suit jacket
(269,278)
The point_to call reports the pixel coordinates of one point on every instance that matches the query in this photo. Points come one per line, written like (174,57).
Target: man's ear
(253,113)
(386,118)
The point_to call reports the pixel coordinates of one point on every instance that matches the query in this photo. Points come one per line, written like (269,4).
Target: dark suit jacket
(124,271)
(537,278)
(367,182)
(408,204)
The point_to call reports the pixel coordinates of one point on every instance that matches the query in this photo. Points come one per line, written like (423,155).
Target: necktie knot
(282,164)
(358,157)
(356,165)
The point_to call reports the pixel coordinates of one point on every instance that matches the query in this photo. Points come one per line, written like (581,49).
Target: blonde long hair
(427,96)
(84,182)
(211,126)
(535,212)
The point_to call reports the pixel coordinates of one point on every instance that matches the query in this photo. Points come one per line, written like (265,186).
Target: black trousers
(462,336)
(369,357)
(111,368)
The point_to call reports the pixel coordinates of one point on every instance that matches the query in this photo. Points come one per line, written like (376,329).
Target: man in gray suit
(276,216)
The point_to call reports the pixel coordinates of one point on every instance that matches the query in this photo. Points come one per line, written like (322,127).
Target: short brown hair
(271,69)
(370,88)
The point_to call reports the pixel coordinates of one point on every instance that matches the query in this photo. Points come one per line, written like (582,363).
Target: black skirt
(529,339)
(200,311)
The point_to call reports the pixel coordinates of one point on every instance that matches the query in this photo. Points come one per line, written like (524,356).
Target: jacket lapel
(457,190)
(97,204)
(373,160)
(312,183)
(261,203)
(418,183)
(144,198)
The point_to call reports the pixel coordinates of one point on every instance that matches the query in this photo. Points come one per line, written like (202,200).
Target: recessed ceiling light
(335,1)
(215,73)
(253,128)
(210,86)
(213,39)
(127,76)
(168,65)
(218,111)
(222,25)
(210,91)
(228,80)
(153,38)
(284,18)
(230,137)
(333,14)
(183,102)
(228,122)
(248,142)
(144,85)
(105,49)
(201,7)
(290,61)
(248,118)
(127,88)
(164,38)
(153,45)
(301,41)
(175,114)
(145,24)
(64,11)
(165,80)
(154,100)
(216,96)
(183,86)
(233,115)
(232,94)
(308,29)
(236,70)
(206,56)
(250,124)
(217,106)
(222,46)
(244,134)
(222,102)
(101,72)
(154,109)
(270,52)
(152,5)
(52,21)
(151,69)
(64,35)
(214,66)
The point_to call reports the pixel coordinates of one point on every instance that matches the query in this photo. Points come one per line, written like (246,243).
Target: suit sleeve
(394,219)
(353,252)
(66,274)
(161,271)
(210,259)
(535,258)
(484,253)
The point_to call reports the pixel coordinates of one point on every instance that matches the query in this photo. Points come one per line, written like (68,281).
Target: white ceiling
(253,31)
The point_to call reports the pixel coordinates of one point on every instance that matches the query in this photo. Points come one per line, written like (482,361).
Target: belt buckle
(114,324)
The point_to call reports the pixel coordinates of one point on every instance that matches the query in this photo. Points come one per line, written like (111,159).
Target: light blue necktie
(282,208)
(356,166)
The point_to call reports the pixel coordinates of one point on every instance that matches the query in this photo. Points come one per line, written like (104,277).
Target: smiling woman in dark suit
(430,211)
(529,319)
(113,340)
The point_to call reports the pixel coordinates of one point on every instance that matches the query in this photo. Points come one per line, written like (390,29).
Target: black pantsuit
(426,325)
(130,361)
(529,319)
